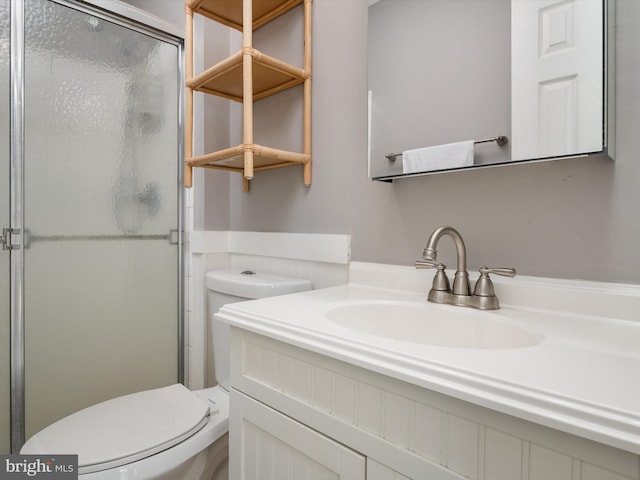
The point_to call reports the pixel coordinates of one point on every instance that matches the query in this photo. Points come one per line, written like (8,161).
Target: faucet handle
(440,280)
(484,285)
(505,272)
(424,263)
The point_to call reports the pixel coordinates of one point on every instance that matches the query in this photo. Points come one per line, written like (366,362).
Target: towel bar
(501,140)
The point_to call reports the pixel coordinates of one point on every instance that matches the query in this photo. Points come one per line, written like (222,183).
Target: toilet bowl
(170,432)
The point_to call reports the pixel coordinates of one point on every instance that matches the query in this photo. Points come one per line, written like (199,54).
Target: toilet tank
(236,285)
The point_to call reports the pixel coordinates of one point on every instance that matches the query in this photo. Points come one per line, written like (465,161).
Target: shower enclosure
(90,172)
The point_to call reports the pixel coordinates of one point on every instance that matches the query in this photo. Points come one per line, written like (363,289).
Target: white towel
(440,157)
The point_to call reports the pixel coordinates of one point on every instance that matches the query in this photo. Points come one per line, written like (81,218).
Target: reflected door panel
(557,82)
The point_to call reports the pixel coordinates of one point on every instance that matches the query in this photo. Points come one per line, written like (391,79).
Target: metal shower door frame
(13,237)
(16,183)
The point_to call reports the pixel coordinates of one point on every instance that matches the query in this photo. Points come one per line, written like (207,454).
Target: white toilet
(170,432)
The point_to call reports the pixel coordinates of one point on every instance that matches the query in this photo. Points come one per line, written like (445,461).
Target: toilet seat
(124,429)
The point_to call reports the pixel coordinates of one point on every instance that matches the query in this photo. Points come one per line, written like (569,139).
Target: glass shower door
(4,223)
(101,176)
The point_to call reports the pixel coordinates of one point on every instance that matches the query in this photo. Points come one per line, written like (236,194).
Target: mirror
(487,82)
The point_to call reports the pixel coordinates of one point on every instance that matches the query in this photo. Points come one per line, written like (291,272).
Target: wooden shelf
(246,159)
(229,12)
(264,158)
(246,77)
(269,76)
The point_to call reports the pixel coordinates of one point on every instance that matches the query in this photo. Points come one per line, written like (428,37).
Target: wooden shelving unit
(246,77)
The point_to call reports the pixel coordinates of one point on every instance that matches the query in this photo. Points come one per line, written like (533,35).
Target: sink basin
(432,324)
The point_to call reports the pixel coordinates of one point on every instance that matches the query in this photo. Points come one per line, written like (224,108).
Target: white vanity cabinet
(293,408)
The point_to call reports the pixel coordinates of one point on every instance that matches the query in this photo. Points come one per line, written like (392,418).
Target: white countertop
(582,378)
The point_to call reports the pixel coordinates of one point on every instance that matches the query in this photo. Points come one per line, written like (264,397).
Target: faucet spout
(461,279)
(430,252)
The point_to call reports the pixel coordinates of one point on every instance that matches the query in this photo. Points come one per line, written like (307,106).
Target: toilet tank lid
(124,429)
(250,284)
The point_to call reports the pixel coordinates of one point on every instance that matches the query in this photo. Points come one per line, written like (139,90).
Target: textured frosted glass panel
(103,324)
(101,165)
(4,222)
(101,107)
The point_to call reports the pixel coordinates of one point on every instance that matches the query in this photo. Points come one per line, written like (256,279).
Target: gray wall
(570,219)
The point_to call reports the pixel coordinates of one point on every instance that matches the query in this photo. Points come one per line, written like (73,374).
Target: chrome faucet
(483,297)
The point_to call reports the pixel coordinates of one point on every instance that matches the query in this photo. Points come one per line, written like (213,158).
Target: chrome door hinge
(174,237)
(6,239)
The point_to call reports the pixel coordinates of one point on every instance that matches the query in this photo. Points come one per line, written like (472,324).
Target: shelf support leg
(188,143)
(307,93)
(247,88)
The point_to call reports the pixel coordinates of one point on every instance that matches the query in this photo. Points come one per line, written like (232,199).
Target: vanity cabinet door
(267,445)
(377,471)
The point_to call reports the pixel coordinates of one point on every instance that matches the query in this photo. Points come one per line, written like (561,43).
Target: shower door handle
(5,239)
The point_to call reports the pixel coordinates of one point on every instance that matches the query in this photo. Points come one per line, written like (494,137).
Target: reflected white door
(557,77)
